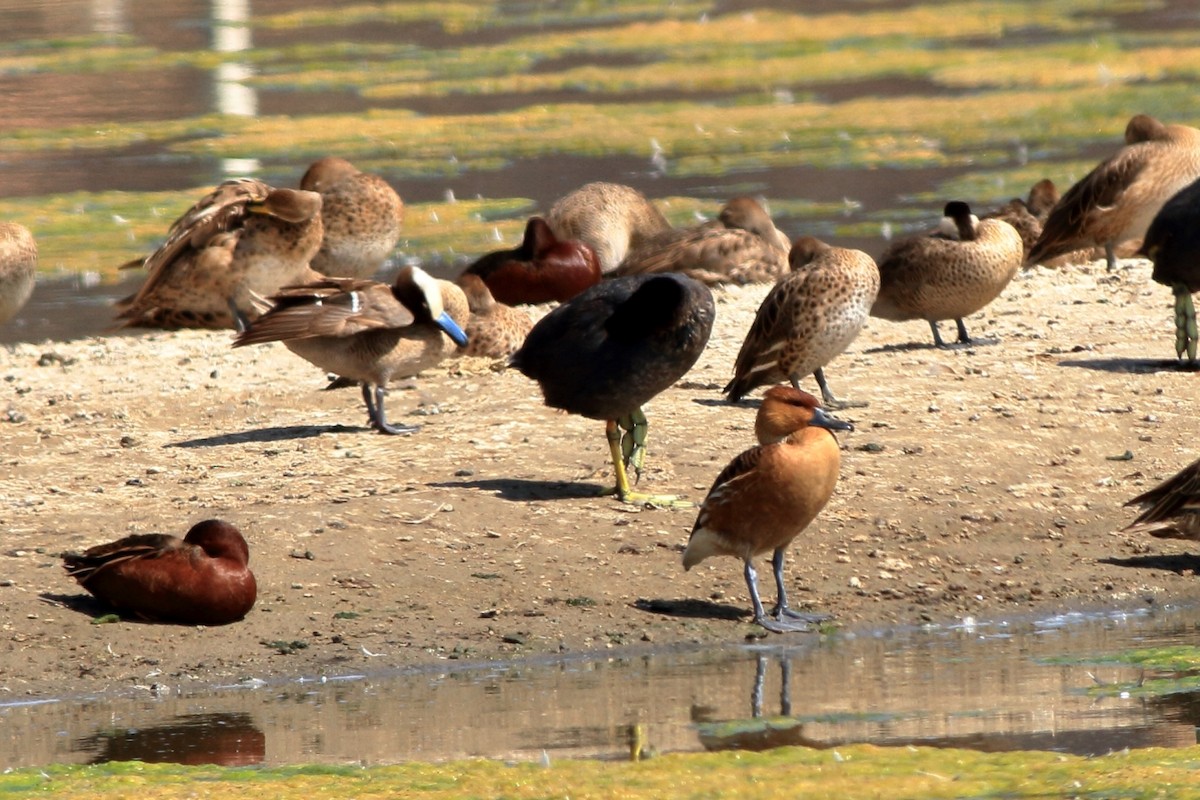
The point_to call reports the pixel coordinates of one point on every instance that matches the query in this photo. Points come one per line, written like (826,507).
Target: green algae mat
(856,771)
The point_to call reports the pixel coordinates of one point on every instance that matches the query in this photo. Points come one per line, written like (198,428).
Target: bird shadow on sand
(692,609)
(1136,366)
(905,347)
(80,603)
(1180,564)
(520,490)
(265,435)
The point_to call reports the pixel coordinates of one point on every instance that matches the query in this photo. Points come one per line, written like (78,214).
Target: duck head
(786,410)
(421,294)
(958,222)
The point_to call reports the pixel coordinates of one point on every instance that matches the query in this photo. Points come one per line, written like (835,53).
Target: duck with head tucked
(542,269)
(1171,510)
(366,331)
(769,494)
(807,319)
(496,330)
(1027,216)
(18,268)
(741,246)
(949,275)
(611,349)
(243,239)
(1116,201)
(361,216)
(202,579)
(610,218)
(1173,244)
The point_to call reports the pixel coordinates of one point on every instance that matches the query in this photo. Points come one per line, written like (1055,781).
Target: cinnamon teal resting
(202,579)
(610,218)
(18,268)
(611,349)
(361,216)
(243,239)
(741,246)
(950,275)
(766,496)
(366,331)
(542,269)
(807,319)
(1116,201)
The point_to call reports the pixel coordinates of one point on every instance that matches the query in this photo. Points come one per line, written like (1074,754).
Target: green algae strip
(857,771)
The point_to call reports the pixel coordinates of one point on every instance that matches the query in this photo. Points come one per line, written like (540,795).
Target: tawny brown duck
(18,268)
(495,330)
(807,319)
(361,215)
(610,218)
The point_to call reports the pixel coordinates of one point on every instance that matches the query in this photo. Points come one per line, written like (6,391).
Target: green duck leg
(617,445)
(827,395)
(1186,334)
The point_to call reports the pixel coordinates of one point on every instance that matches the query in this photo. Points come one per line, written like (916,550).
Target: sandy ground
(984,481)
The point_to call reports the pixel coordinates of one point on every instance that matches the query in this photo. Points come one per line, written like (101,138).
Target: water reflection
(988,687)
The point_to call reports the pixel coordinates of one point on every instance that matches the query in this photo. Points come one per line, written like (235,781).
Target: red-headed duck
(542,269)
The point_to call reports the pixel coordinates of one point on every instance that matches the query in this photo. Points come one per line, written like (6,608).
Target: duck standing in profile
(611,218)
(741,246)
(1173,244)
(1171,510)
(243,239)
(1116,201)
(607,352)
(367,331)
(949,275)
(542,269)
(807,319)
(361,216)
(769,494)
(202,579)
(18,268)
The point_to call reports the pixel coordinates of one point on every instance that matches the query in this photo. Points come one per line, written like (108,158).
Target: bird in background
(611,349)
(202,579)
(366,331)
(949,275)
(242,240)
(807,319)
(768,495)
(1117,200)
(542,269)
(361,215)
(1171,510)
(495,330)
(18,268)
(610,218)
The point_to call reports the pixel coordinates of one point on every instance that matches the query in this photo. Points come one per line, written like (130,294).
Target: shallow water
(990,687)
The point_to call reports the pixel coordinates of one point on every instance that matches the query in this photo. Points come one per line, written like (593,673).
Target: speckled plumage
(367,331)
(610,218)
(18,268)
(767,495)
(495,330)
(809,317)
(1171,510)
(1117,200)
(1029,215)
(243,239)
(741,246)
(948,277)
(361,216)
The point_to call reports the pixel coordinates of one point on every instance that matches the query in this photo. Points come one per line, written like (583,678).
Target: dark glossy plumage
(1173,240)
(202,579)
(607,352)
(542,269)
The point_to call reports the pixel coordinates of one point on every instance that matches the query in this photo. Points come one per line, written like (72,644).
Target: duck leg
(1110,256)
(937,337)
(781,609)
(963,337)
(376,415)
(633,441)
(826,395)
(1186,333)
(616,444)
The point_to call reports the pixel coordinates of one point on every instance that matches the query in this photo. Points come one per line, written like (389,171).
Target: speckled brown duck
(950,275)
(769,494)
(366,331)
(1171,510)
(245,238)
(741,246)
(1027,216)
(202,579)
(542,269)
(1116,201)
(809,317)
(361,215)
(610,218)
(614,347)
(1173,244)
(18,268)
(495,330)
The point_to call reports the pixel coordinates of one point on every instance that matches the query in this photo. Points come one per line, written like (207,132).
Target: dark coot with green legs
(1173,244)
